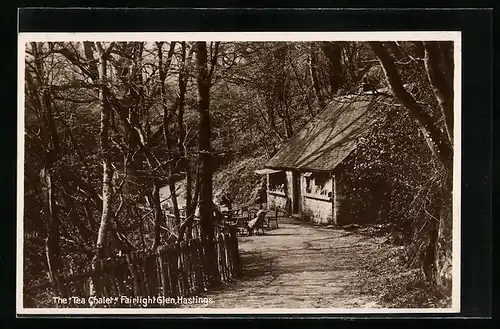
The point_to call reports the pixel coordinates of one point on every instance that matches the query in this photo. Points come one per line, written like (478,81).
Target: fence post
(211,270)
(235,252)
(133,272)
(193,266)
(197,249)
(162,272)
(217,258)
(140,258)
(222,254)
(173,260)
(178,267)
(143,268)
(147,270)
(158,271)
(169,256)
(228,255)
(183,260)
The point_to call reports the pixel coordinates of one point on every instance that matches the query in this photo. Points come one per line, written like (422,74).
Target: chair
(274,214)
(260,223)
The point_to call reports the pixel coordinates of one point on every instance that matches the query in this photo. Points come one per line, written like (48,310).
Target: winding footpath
(299,265)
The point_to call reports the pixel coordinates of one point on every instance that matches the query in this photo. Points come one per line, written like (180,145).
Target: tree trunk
(333,51)
(181,144)
(394,48)
(51,154)
(302,89)
(107,176)
(166,121)
(204,147)
(132,163)
(107,191)
(313,66)
(288,121)
(52,248)
(187,225)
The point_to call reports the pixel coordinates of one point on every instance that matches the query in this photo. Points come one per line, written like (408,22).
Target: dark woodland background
(107,125)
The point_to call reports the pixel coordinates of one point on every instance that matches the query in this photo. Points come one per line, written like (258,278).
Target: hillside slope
(238,179)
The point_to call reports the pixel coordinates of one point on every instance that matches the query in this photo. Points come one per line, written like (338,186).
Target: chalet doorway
(296,193)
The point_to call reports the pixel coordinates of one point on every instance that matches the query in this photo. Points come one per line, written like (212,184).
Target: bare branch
(438,143)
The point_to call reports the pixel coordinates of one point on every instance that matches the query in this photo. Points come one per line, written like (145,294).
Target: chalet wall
(316,208)
(279,199)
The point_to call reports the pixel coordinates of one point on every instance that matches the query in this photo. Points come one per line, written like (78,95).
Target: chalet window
(309,182)
(318,184)
(308,185)
(277,182)
(321,183)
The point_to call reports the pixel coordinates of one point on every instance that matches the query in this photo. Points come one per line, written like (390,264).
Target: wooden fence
(171,271)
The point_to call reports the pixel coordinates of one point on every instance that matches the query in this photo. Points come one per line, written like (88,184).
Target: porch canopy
(266,171)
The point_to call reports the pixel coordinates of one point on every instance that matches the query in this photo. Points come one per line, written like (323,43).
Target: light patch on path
(299,266)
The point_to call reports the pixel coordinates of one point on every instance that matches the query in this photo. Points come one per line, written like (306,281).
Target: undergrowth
(398,285)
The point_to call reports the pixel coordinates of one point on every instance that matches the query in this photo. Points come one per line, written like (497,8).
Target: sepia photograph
(259,173)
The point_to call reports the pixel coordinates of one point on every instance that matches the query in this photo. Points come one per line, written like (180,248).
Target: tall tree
(205,153)
(333,52)
(51,154)
(107,176)
(167,115)
(191,201)
(441,144)
(313,66)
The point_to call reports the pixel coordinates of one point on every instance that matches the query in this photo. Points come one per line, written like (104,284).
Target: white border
(245,36)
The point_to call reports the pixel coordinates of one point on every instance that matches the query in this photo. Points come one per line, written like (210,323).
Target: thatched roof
(324,142)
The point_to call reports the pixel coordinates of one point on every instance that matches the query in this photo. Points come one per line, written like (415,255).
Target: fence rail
(171,271)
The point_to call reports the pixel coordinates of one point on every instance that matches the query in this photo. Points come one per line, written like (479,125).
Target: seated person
(257,221)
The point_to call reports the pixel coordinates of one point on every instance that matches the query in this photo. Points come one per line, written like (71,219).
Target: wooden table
(238,217)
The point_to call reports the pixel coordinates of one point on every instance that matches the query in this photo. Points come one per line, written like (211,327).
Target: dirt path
(299,266)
